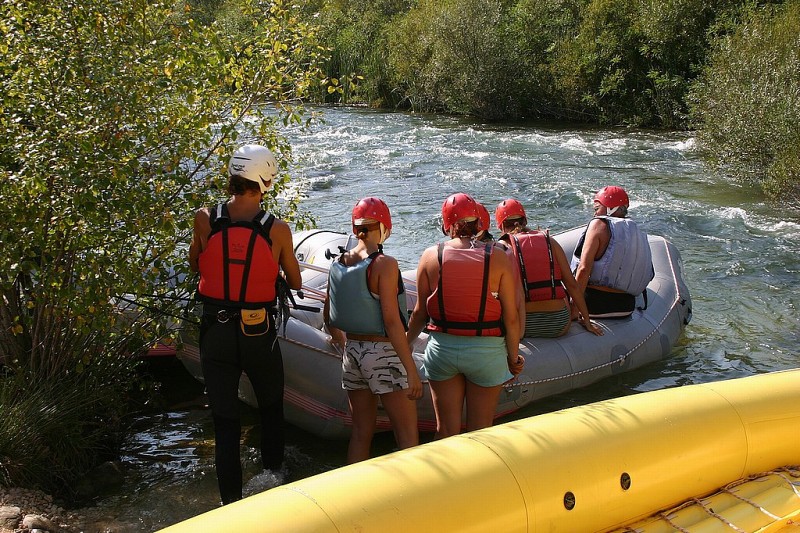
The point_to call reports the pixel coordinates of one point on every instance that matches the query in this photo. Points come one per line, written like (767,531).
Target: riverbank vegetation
(116,118)
(727,68)
(746,103)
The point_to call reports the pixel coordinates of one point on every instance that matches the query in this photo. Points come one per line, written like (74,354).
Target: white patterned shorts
(374,366)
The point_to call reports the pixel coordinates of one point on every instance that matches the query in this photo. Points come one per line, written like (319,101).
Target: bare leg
(364,408)
(481,405)
(448,404)
(403,416)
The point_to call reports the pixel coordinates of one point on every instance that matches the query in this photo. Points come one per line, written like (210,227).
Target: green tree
(746,105)
(115,120)
(453,56)
(631,61)
(538,32)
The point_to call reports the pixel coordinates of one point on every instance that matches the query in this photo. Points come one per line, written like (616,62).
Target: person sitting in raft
(466,297)
(367,303)
(486,222)
(612,262)
(546,280)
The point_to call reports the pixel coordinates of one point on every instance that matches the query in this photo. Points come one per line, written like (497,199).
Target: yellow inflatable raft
(650,462)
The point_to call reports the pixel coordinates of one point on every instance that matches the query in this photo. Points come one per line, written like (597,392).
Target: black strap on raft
(644,296)
(480,324)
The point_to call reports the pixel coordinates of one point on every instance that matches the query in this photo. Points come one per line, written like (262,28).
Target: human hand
(337,340)
(414,386)
(517,365)
(592,327)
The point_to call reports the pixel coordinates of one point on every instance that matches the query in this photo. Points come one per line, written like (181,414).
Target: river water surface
(740,254)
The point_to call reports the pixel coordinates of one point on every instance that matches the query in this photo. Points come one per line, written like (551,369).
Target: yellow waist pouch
(255,322)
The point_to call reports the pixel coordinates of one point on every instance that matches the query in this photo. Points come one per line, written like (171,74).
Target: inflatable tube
(590,468)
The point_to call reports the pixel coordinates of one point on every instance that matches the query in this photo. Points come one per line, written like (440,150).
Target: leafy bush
(537,33)
(115,119)
(746,105)
(631,61)
(605,61)
(453,56)
(353,33)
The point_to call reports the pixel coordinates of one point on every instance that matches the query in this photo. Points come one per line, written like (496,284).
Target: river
(741,258)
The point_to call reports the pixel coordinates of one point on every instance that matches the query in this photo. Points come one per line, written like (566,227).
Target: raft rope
(780,472)
(719,517)
(664,516)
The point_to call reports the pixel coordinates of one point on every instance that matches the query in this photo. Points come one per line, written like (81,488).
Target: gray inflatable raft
(315,401)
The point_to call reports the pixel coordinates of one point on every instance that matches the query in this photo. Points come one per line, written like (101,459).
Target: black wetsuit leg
(219,355)
(263,363)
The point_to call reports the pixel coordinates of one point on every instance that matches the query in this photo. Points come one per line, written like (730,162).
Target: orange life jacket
(541,275)
(462,304)
(237,267)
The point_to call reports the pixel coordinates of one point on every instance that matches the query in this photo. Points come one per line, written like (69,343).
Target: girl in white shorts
(366,304)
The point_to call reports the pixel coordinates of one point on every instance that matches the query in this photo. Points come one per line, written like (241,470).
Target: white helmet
(255,163)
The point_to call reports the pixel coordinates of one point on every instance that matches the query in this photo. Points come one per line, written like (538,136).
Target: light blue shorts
(482,360)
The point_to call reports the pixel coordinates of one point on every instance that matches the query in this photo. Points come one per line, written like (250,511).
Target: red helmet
(458,206)
(372,208)
(483,214)
(507,209)
(612,197)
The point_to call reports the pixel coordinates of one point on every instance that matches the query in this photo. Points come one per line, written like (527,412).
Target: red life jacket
(541,275)
(462,304)
(237,267)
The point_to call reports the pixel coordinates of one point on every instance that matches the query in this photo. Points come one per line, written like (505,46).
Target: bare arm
(573,289)
(386,271)
(507,293)
(419,317)
(594,245)
(283,251)
(202,228)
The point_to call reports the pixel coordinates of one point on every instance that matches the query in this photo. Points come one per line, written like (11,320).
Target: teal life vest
(352,308)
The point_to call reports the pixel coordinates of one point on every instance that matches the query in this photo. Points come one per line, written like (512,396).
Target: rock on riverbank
(24,510)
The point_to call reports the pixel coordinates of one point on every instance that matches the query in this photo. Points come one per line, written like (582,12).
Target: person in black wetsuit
(239,251)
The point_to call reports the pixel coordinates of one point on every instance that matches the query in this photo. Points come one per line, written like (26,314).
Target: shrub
(746,104)
(631,61)
(115,119)
(453,56)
